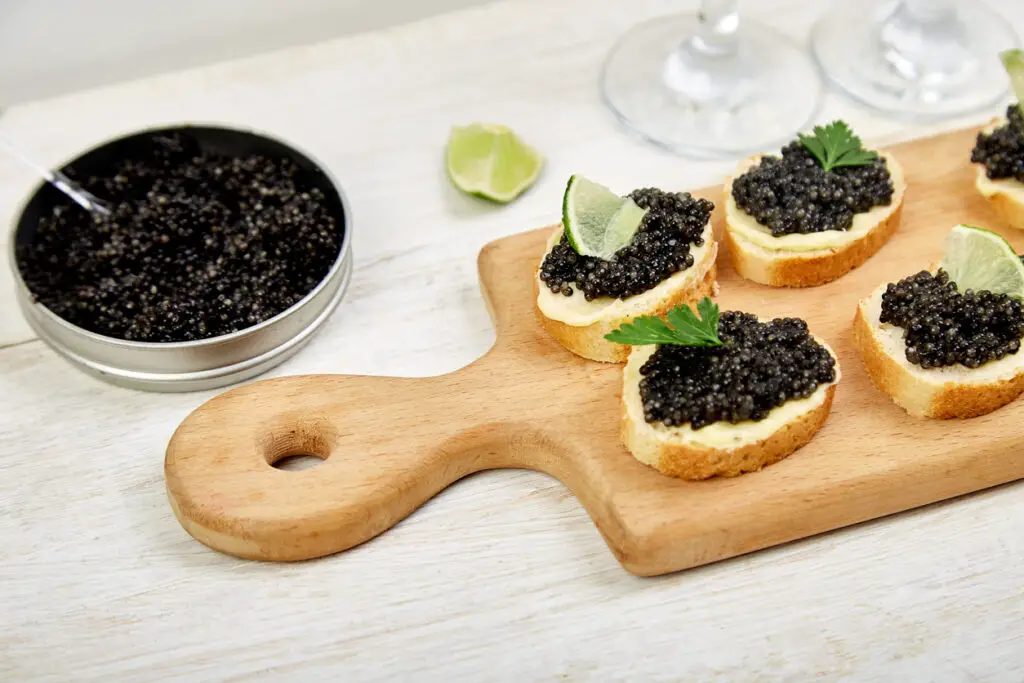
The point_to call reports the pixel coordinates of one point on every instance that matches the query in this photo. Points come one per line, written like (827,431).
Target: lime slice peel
(597,221)
(491,161)
(1013,62)
(978,259)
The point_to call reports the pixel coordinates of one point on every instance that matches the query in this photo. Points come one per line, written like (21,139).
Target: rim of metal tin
(198,380)
(216,374)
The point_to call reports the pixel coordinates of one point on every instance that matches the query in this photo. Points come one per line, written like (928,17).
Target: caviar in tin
(674,223)
(760,366)
(793,194)
(944,327)
(1002,150)
(198,245)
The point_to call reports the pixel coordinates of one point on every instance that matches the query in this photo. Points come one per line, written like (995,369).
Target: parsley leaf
(686,328)
(835,145)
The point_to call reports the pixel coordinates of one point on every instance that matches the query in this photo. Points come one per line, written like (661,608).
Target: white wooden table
(503,576)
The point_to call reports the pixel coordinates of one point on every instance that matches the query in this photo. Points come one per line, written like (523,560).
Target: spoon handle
(83,198)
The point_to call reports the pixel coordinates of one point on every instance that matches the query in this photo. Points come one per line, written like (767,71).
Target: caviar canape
(721,395)
(945,343)
(614,258)
(815,212)
(999,151)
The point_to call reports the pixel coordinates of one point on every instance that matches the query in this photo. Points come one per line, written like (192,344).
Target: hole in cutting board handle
(294,445)
(297,463)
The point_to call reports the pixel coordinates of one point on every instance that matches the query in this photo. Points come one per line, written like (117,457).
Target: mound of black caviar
(944,327)
(1002,150)
(660,248)
(197,246)
(793,194)
(760,366)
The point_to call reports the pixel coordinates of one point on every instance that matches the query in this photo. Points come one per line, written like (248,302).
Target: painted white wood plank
(49,48)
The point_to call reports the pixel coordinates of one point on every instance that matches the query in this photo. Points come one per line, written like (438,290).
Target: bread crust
(1009,209)
(675,457)
(1005,198)
(807,269)
(588,341)
(919,393)
(689,462)
(783,268)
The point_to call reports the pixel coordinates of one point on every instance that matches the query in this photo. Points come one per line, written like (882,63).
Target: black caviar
(659,249)
(1002,150)
(793,194)
(198,245)
(944,327)
(760,366)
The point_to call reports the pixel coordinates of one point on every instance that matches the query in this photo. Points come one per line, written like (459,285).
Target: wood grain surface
(390,444)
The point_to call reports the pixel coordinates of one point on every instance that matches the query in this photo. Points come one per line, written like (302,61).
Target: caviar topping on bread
(812,214)
(998,156)
(667,260)
(696,411)
(999,151)
(939,350)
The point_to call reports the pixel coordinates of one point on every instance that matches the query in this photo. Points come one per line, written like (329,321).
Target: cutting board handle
(388,444)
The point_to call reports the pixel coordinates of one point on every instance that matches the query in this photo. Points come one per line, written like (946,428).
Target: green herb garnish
(835,145)
(686,328)
(1013,62)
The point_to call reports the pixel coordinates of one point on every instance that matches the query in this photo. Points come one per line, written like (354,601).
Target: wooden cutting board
(392,443)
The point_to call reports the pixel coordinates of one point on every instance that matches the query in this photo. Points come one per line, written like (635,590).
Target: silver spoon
(83,198)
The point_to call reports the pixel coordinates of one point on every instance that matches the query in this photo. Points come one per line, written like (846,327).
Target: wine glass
(707,84)
(915,58)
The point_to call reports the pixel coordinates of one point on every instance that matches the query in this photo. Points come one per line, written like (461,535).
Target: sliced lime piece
(980,259)
(1013,61)
(490,161)
(597,221)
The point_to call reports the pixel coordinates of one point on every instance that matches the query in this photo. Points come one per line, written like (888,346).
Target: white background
(49,47)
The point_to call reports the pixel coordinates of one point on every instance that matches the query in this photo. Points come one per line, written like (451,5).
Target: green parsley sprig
(835,145)
(686,328)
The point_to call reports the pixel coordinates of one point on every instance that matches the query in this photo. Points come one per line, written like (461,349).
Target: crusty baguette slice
(791,260)
(580,325)
(721,449)
(1006,195)
(940,393)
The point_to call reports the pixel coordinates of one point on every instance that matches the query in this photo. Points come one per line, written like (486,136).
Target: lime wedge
(1013,61)
(980,259)
(490,161)
(597,221)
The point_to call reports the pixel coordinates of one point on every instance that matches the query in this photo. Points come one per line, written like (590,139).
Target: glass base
(897,58)
(680,95)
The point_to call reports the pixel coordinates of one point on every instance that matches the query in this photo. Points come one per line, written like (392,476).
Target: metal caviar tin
(204,363)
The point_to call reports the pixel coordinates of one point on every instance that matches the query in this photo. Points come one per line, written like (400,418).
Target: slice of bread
(720,449)
(940,393)
(801,260)
(580,325)
(1005,195)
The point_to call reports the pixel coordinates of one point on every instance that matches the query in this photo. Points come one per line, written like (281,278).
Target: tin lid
(205,363)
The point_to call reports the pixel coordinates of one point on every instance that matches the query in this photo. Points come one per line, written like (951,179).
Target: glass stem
(719,22)
(922,42)
(708,70)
